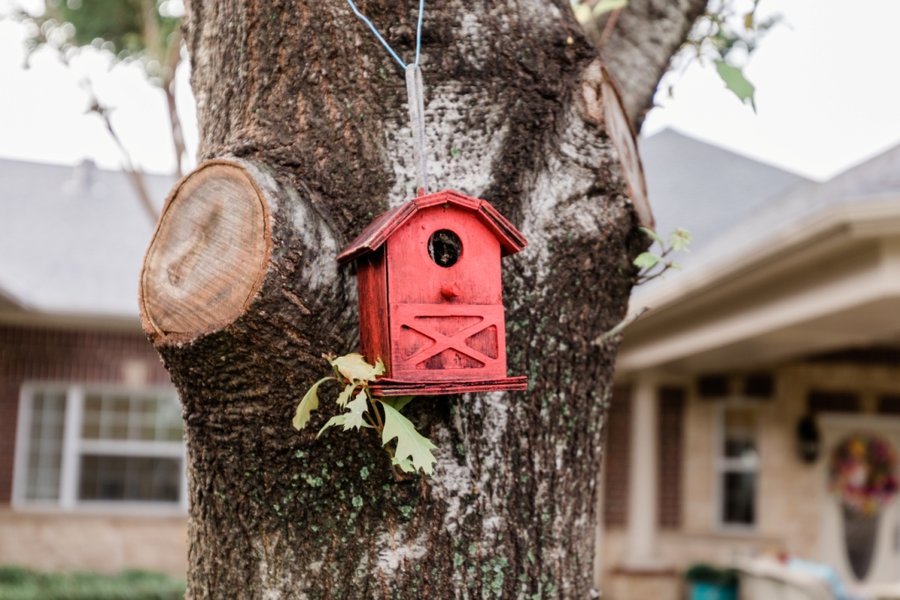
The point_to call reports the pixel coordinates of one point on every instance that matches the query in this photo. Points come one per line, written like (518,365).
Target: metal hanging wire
(415,92)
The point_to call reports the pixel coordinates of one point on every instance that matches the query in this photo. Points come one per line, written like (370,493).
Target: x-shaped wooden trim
(406,315)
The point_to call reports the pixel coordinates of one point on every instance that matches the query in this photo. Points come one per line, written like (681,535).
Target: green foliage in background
(728,33)
(736,82)
(122,23)
(144,31)
(655,261)
(17,583)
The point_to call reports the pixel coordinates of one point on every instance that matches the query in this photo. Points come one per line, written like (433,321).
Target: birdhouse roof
(383,227)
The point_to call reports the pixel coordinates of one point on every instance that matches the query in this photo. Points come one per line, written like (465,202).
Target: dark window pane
(738,498)
(138,418)
(889,404)
(139,478)
(618,452)
(819,401)
(743,449)
(759,385)
(740,433)
(713,386)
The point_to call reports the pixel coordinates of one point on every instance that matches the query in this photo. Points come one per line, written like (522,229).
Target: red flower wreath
(864,473)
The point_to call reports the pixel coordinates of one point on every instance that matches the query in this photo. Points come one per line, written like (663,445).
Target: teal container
(711,583)
(713,591)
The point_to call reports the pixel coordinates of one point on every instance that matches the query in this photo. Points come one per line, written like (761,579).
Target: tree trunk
(241,294)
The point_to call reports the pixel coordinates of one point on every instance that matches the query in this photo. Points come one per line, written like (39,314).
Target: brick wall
(35,354)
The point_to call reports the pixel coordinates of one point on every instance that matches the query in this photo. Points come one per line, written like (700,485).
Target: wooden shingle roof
(383,227)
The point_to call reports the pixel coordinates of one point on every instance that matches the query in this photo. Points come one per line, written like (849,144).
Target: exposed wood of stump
(209,252)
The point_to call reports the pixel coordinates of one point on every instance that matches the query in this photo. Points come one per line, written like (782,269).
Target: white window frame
(73,446)
(723,465)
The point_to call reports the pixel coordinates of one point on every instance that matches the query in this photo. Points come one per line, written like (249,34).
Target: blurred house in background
(787,308)
(91,457)
(779,340)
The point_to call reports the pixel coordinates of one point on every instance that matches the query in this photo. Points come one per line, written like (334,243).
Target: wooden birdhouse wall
(415,278)
(373,307)
(446,322)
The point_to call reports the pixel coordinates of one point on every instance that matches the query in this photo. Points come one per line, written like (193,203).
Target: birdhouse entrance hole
(444,247)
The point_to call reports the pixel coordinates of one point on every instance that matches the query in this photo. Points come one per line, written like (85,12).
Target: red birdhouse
(430,295)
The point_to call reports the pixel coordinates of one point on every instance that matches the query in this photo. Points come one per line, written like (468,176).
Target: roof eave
(383,227)
(740,309)
(70,320)
(873,218)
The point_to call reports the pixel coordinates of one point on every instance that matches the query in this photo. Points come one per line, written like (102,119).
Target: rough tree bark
(241,294)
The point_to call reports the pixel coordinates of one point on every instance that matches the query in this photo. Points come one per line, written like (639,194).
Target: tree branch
(135,175)
(640,45)
(609,28)
(620,326)
(172,60)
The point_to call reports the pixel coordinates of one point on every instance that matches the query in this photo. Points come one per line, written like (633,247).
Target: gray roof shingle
(704,188)
(733,204)
(72,238)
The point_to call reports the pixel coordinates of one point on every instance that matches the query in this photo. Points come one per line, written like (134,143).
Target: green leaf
(309,403)
(353,418)
(411,444)
(398,402)
(749,21)
(404,463)
(582,13)
(605,6)
(736,82)
(333,421)
(646,260)
(355,411)
(355,368)
(651,234)
(680,239)
(345,394)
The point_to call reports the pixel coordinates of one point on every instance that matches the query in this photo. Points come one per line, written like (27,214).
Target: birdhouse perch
(430,295)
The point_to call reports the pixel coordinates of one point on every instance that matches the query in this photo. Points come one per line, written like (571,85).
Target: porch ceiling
(866,324)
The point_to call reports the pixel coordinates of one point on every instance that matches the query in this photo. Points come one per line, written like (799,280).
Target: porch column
(642,475)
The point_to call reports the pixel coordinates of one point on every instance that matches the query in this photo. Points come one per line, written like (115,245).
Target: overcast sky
(828,89)
(828,96)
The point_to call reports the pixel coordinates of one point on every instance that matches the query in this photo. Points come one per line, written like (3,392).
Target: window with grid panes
(738,466)
(84,445)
